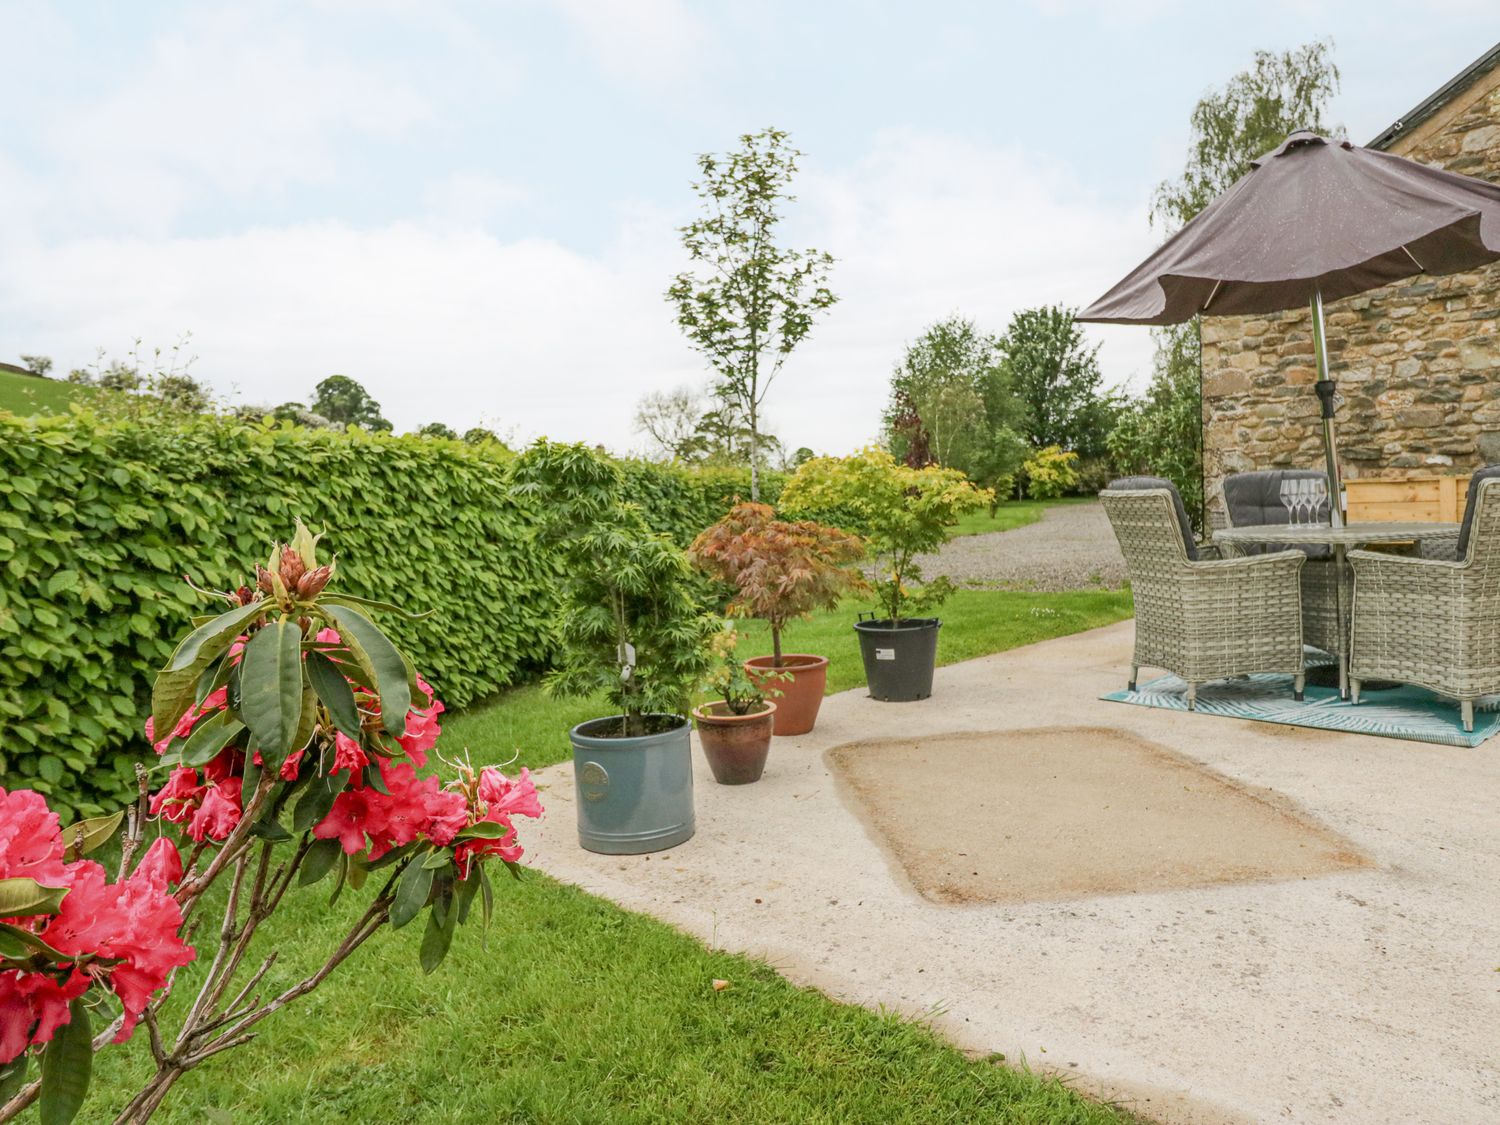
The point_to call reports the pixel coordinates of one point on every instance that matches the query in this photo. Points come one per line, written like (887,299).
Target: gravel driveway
(1072,547)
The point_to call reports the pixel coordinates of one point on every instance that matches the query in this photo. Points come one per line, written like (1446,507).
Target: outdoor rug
(1399,712)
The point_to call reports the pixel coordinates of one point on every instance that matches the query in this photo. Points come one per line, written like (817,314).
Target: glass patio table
(1339,539)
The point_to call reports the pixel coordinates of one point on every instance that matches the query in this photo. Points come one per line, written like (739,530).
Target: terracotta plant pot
(735,745)
(801,696)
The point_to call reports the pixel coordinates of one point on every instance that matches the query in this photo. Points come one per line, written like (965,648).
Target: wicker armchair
(1203,619)
(1327,589)
(1434,622)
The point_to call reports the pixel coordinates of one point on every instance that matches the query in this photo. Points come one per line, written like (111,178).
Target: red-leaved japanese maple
(781,570)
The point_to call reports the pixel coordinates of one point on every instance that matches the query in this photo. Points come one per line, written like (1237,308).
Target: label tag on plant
(885,654)
(625,654)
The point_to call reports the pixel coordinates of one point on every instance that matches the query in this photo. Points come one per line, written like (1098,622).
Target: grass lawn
(26,394)
(573,1010)
(1010,515)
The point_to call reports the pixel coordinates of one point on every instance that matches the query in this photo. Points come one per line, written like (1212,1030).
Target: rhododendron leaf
(17,950)
(21,897)
(373,779)
(171,696)
(436,939)
(209,737)
(27,938)
(86,835)
(13,1077)
(338,885)
(270,829)
(437,860)
(374,652)
(66,1065)
(316,803)
(334,690)
(482,830)
(211,639)
(411,894)
(463,896)
(318,861)
(358,873)
(371,603)
(395,855)
(486,894)
(308,723)
(271,687)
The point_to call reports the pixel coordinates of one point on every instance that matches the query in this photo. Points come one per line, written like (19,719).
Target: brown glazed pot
(735,745)
(801,696)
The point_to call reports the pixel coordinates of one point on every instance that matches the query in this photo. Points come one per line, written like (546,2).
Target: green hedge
(100,519)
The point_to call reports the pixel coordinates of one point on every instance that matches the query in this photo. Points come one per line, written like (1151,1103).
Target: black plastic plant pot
(899,657)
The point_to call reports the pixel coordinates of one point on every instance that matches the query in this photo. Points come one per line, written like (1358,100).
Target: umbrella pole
(1325,390)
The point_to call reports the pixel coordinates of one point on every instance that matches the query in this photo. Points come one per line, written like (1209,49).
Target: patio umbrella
(1312,219)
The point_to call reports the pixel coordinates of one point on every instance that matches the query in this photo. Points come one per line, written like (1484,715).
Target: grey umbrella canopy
(1312,219)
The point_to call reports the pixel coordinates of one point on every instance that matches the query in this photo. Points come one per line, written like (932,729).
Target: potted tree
(781,571)
(631,630)
(735,730)
(903,513)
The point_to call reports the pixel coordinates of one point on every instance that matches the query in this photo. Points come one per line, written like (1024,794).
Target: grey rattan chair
(1254,499)
(1203,618)
(1434,622)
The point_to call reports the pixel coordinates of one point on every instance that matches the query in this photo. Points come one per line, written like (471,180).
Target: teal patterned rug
(1401,712)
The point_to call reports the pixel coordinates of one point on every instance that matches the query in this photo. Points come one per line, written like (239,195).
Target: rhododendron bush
(289,734)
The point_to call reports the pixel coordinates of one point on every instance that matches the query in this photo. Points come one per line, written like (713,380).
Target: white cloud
(445,322)
(652,43)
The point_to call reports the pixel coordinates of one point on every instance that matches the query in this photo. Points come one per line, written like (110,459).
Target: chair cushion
(1489,472)
(1135,484)
(1254,500)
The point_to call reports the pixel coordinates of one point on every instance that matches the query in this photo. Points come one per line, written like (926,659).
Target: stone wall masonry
(1417,364)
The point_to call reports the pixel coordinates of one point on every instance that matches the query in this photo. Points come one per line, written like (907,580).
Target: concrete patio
(1369,994)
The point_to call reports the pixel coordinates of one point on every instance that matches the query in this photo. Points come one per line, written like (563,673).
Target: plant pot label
(885,654)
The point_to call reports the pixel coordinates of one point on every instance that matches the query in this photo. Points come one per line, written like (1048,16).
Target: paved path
(1072,547)
(1364,996)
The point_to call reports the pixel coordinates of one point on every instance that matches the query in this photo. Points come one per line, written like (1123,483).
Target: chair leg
(1192,697)
(1466,709)
(1135,672)
(1299,686)
(1354,692)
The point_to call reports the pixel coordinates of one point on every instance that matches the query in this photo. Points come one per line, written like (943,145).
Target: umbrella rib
(1214,292)
(1413,257)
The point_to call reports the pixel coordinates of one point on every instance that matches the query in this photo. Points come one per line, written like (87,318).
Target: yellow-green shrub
(1050,472)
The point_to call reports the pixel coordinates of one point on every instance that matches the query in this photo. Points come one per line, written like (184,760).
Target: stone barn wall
(1418,364)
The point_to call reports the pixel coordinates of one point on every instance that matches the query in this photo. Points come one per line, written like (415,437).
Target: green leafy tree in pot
(901,511)
(632,626)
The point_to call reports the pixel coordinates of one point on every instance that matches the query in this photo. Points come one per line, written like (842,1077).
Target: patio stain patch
(1072,812)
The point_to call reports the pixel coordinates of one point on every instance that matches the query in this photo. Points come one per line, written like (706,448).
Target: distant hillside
(26,394)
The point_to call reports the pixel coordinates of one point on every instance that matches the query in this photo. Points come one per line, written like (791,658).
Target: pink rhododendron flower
(219,812)
(134,922)
(510,798)
(179,797)
(347,755)
(422,727)
(292,764)
(216,700)
(28,999)
(31,843)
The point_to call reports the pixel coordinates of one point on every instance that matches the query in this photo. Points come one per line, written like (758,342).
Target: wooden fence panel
(1420,499)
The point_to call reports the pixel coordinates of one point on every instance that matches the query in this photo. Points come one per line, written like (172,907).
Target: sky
(472,208)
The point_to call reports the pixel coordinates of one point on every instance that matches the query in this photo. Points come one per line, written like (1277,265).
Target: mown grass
(26,394)
(572,1010)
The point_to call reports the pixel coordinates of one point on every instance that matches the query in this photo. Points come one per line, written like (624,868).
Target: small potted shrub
(735,729)
(781,571)
(631,630)
(903,512)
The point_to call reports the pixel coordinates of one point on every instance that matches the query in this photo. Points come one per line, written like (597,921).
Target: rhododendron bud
(311,584)
(244,595)
(263,580)
(292,567)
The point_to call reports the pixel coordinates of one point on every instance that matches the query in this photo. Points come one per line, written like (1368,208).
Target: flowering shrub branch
(290,730)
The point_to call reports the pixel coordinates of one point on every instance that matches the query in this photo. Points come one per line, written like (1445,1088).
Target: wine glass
(1318,496)
(1289,499)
